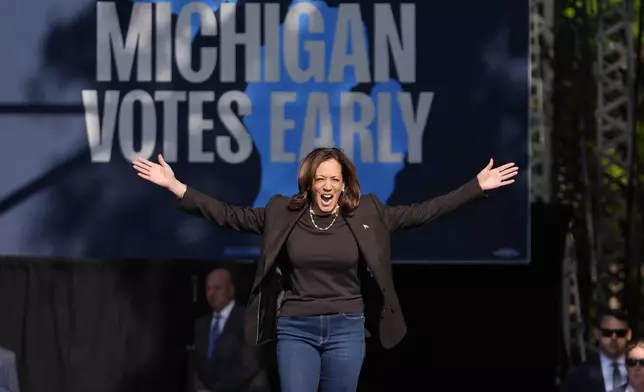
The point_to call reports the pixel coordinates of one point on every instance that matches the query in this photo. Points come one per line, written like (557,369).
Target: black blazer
(371,224)
(585,377)
(236,366)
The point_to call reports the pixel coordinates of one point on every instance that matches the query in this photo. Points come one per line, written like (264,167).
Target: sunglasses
(620,333)
(632,362)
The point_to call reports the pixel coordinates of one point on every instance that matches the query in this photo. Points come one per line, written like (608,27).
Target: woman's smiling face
(327,186)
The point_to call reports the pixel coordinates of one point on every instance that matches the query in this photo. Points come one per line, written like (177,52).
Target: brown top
(322,275)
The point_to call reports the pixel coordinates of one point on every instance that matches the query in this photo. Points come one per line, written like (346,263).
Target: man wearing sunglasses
(635,366)
(605,371)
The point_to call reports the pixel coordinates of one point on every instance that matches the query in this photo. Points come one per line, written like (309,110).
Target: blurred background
(103,281)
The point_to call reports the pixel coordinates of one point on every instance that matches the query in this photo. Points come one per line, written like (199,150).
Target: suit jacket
(585,377)
(236,366)
(371,225)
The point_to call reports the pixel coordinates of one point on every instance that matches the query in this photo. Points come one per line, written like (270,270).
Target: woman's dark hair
(349,199)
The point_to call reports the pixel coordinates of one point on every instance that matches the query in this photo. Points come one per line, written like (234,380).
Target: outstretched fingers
(509,173)
(506,166)
(144,162)
(145,176)
(162,161)
(141,167)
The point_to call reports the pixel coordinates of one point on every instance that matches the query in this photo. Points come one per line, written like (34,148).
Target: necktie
(617,376)
(214,335)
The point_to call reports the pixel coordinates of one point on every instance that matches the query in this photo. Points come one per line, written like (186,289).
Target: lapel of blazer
(275,244)
(596,376)
(363,231)
(234,318)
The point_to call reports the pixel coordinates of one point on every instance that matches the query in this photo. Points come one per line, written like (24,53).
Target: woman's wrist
(178,188)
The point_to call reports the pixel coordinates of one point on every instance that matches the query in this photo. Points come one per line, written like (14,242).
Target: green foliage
(569,12)
(593,6)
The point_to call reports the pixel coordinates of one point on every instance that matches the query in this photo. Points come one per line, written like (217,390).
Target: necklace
(335,212)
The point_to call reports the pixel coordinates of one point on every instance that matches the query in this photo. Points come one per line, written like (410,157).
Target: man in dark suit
(605,371)
(223,361)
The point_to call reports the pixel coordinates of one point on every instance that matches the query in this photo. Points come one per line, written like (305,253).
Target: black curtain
(88,326)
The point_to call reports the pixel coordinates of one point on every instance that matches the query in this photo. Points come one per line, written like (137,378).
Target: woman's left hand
(494,178)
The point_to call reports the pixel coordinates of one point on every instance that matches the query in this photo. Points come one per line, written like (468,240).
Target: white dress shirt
(223,316)
(607,371)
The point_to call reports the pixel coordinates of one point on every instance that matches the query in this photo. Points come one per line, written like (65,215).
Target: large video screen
(233,94)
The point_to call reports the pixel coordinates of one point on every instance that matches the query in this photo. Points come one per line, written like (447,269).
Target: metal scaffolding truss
(559,163)
(573,323)
(541,80)
(615,77)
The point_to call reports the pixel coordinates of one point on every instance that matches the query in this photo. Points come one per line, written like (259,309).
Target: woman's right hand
(158,173)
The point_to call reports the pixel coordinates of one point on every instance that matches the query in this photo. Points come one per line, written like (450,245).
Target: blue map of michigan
(280,178)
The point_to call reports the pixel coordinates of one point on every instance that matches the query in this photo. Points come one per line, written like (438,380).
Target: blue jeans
(324,352)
